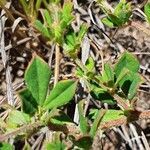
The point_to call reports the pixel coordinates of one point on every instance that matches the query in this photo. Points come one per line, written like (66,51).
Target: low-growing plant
(38,106)
(118,16)
(43,102)
(31,8)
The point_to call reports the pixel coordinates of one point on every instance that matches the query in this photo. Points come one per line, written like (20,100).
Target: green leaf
(39,26)
(58,34)
(79,73)
(96,124)
(85,142)
(48,17)
(29,104)
(108,22)
(67,16)
(122,75)
(37,77)
(82,32)
(137,80)
(128,61)
(84,126)
(108,75)
(61,119)
(56,145)
(24,5)
(38,4)
(115,20)
(123,11)
(62,93)
(90,64)
(17,118)
(112,114)
(100,94)
(6,146)
(147,11)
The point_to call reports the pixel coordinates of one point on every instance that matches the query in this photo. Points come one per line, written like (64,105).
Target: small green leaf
(58,34)
(29,104)
(6,146)
(123,11)
(62,93)
(108,75)
(56,145)
(90,64)
(110,114)
(137,80)
(17,118)
(128,61)
(115,20)
(82,32)
(39,26)
(48,18)
(82,119)
(100,94)
(79,73)
(108,22)
(67,16)
(38,4)
(147,11)
(85,142)
(61,119)
(37,77)
(96,124)
(122,75)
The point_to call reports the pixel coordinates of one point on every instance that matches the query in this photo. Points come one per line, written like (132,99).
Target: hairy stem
(132,115)
(57,59)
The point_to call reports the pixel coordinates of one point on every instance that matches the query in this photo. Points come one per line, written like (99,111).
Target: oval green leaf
(37,78)
(61,94)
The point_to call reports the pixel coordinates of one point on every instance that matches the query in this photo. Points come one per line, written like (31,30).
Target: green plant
(56,21)
(43,104)
(147,11)
(116,85)
(38,106)
(119,16)
(122,79)
(31,8)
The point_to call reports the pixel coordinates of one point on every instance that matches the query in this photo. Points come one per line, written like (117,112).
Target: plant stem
(121,102)
(57,59)
(132,116)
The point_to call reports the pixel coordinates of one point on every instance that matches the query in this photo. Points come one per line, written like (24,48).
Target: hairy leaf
(17,118)
(37,77)
(44,30)
(123,11)
(108,22)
